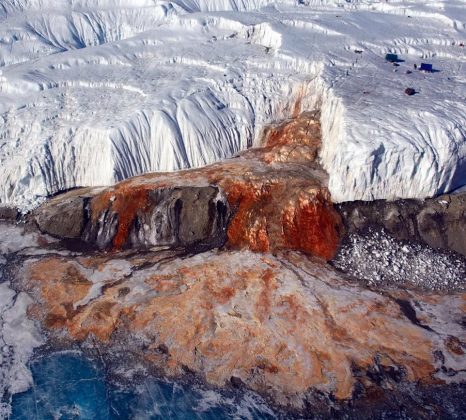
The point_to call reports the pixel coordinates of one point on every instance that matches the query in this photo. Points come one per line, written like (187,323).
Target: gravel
(376,258)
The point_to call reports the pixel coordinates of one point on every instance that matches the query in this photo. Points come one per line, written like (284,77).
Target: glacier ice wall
(92,92)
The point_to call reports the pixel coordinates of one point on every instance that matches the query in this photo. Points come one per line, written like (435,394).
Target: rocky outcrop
(8,213)
(158,216)
(266,199)
(149,217)
(284,325)
(65,216)
(439,222)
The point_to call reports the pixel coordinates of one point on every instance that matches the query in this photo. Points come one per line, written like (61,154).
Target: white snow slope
(94,91)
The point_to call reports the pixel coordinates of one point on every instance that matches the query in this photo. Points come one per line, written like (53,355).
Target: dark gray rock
(174,217)
(439,222)
(64,219)
(8,213)
(65,215)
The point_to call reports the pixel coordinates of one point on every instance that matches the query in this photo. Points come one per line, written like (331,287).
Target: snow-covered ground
(92,92)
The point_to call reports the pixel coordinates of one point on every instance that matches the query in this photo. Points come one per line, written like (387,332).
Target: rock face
(163,216)
(266,199)
(283,325)
(65,216)
(438,222)
(154,216)
(8,213)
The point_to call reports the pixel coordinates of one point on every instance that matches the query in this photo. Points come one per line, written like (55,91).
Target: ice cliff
(92,92)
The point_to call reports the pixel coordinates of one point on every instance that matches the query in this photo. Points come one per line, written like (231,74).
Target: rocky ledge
(264,199)
(439,222)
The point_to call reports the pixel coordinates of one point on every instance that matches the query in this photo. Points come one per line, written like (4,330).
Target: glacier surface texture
(92,92)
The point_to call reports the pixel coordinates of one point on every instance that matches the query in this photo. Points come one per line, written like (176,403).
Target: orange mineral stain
(276,194)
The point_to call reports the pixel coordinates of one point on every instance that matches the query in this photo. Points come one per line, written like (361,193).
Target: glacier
(93,92)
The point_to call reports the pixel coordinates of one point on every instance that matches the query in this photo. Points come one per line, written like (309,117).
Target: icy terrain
(87,393)
(19,336)
(92,92)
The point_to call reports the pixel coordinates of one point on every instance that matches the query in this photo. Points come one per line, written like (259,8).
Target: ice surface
(69,385)
(18,338)
(92,92)
(14,238)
